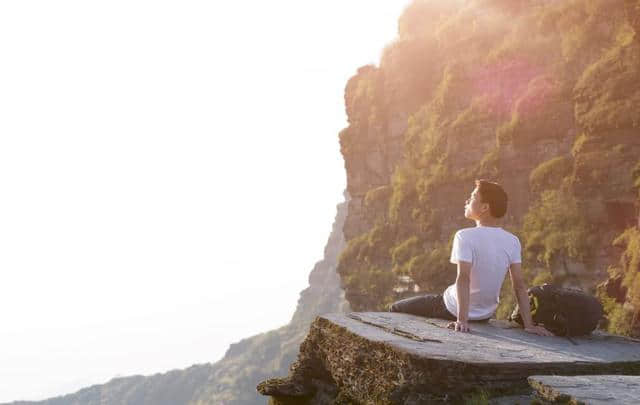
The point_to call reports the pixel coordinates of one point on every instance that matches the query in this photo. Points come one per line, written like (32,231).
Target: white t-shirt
(490,250)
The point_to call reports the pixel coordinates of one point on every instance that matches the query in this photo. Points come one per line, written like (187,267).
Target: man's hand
(459,326)
(538,330)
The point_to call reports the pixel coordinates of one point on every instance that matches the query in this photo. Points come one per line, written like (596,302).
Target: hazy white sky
(169,172)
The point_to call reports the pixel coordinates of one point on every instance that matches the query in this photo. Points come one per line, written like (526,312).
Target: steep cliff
(233,379)
(251,360)
(540,96)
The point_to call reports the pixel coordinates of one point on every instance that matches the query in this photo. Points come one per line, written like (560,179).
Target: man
(483,254)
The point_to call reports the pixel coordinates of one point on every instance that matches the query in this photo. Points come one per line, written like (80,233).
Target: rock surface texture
(591,389)
(392,358)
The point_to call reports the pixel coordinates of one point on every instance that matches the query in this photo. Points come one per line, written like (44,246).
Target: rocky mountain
(233,379)
(542,97)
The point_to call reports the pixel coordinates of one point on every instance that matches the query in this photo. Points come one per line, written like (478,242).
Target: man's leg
(428,305)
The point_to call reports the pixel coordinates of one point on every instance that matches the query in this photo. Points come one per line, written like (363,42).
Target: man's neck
(487,222)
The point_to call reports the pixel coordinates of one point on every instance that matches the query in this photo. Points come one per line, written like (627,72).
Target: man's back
(490,250)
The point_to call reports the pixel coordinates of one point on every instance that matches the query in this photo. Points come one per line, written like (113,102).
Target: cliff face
(541,96)
(233,379)
(251,360)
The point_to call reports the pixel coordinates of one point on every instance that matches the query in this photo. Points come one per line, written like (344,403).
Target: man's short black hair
(494,195)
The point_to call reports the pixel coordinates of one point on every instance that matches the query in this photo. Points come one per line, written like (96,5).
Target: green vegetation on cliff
(555,230)
(623,306)
(620,294)
(540,96)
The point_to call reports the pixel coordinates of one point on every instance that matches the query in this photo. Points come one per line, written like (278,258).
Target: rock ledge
(393,358)
(592,389)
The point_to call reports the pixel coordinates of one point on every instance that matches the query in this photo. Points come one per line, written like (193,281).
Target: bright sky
(169,175)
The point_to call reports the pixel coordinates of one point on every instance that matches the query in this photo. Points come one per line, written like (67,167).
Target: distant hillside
(233,379)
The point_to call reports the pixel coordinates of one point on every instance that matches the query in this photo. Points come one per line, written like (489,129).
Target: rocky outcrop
(393,358)
(324,294)
(592,390)
(254,359)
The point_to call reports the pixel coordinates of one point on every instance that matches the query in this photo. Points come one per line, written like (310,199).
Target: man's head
(487,200)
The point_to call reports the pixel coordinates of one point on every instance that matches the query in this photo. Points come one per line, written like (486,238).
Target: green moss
(481,397)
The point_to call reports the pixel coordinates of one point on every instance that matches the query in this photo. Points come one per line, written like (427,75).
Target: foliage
(624,318)
(431,270)
(505,132)
(400,254)
(549,175)
(630,263)
(555,229)
(367,284)
(403,193)
(619,318)
(606,93)
(578,144)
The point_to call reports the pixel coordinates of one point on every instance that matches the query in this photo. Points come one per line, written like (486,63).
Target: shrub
(555,228)
(549,175)
(401,254)
(431,269)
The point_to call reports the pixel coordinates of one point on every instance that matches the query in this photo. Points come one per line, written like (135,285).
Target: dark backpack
(563,311)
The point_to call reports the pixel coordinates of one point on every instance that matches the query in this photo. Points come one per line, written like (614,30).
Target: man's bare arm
(520,291)
(463,281)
